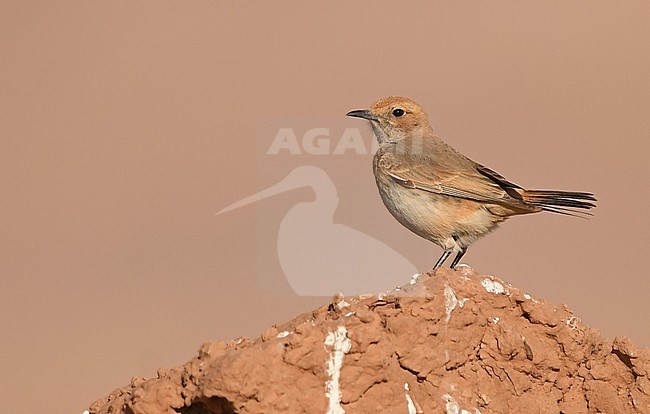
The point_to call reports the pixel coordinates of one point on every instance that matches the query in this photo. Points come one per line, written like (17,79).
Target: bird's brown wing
(507,186)
(470,181)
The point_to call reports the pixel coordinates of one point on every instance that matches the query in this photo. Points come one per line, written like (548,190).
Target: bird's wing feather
(507,186)
(468,182)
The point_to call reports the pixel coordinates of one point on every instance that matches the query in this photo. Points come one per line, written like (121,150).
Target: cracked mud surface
(456,343)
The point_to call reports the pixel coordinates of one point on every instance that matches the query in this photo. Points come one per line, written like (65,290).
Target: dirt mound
(456,343)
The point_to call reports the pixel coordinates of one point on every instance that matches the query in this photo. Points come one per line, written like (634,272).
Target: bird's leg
(459,255)
(442,259)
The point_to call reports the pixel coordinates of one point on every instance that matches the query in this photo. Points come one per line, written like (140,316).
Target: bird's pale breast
(447,221)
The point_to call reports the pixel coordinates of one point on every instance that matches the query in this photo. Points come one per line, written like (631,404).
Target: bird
(319,256)
(440,194)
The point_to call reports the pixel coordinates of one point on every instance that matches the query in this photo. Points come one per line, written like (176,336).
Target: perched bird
(440,194)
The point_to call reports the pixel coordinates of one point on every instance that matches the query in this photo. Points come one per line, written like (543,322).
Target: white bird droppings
(409,401)
(283,334)
(415,278)
(528,297)
(493,286)
(572,322)
(452,407)
(337,344)
(450,301)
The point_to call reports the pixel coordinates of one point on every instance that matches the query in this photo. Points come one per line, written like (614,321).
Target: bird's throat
(379,133)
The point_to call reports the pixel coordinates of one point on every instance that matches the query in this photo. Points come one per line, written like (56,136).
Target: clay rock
(452,342)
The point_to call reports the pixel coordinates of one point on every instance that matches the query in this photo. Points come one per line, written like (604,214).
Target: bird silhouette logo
(318,256)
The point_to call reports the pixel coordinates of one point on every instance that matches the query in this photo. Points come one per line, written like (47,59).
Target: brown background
(126,126)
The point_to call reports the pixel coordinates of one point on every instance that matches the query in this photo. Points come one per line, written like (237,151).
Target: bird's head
(394,118)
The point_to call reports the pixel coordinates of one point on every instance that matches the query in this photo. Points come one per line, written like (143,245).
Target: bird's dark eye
(398,112)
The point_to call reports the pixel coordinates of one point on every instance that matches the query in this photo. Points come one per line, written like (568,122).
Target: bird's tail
(571,203)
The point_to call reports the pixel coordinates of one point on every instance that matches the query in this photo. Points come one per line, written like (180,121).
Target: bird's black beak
(362,113)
